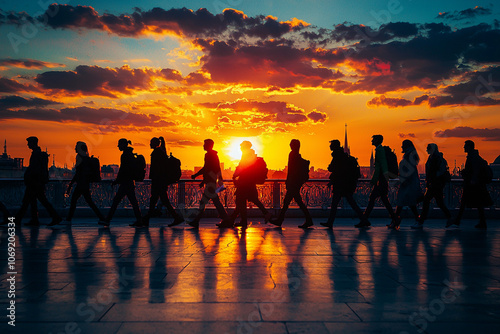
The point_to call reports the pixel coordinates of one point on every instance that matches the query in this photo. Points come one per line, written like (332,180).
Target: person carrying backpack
(212,178)
(35,178)
(295,178)
(82,178)
(436,177)
(126,180)
(159,182)
(343,180)
(244,179)
(475,194)
(379,181)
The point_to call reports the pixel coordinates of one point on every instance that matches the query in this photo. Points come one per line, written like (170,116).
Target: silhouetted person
(475,194)
(6,214)
(35,178)
(294,181)
(125,179)
(379,181)
(82,179)
(435,179)
(409,183)
(246,186)
(342,184)
(212,178)
(159,182)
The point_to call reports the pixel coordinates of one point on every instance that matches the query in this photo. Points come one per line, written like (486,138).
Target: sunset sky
(264,71)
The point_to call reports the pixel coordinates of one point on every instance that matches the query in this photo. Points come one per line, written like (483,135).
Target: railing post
(181,193)
(276,195)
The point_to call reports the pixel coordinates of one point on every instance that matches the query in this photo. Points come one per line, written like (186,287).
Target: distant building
(109,172)
(10,167)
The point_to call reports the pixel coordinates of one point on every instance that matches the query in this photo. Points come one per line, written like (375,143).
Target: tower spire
(5,147)
(347,149)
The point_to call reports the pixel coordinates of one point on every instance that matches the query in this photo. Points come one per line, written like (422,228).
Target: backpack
(139,167)
(443,172)
(259,171)
(173,169)
(44,172)
(353,171)
(392,162)
(486,173)
(94,169)
(303,172)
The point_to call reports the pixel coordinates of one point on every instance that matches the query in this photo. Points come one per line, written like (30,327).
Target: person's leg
(45,202)
(5,212)
(333,209)
(120,193)
(429,193)
(286,203)
(72,207)
(354,205)
(88,198)
(135,204)
(253,196)
(303,207)
(27,199)
(220,208)
(482,218)
(413,209)
(155,194)
(439,196)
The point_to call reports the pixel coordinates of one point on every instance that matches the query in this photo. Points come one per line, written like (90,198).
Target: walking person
(212,179)
(436,177)
(125,179)
(379,181)
(159,182)
(245,180)
(409,188)
(298,174)
(82,178)
(343,180)
(36,177)
(475,194)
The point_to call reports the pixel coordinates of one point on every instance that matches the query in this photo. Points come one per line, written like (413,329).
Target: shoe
(329,225)
(178,220)
(267,217)
(276,221)
(33,223)
(417,226)
(306,224)
(195,224)
(104,223)
(452,221)
(395,223)
(55,221)
(481,226)
(228,222)
(136,224)
(363,224)
(241,224)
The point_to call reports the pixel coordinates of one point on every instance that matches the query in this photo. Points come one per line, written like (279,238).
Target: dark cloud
(28,63)
(104,117)
(95,80)
(389,102)
(423,120)
(487,134)
(407,135)
(12,86)
(465,14)
(12,101)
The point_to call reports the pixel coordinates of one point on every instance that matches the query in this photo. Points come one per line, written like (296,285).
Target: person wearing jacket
(212,178)
(159,182)
(35,178)
(475,193)
(341,185)
(82,180)
(125,179)
(409,188)
(294,181)
(435,180)
(379,181)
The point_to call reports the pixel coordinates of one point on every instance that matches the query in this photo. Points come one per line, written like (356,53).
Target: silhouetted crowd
(251,171)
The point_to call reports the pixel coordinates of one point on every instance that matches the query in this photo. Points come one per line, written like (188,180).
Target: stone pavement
(85,279)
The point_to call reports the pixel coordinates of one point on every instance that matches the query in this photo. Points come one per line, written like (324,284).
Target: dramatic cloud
(465,14)
(468,132)
(12,86)
(406,135)
(28,63)
(10,102)
(95,80)
(103,117)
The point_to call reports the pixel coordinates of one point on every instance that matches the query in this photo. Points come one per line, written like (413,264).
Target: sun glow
(233,147)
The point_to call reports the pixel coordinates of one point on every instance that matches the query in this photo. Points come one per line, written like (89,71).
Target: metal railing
(187,194)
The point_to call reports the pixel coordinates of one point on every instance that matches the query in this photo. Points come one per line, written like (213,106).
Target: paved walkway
(87,279)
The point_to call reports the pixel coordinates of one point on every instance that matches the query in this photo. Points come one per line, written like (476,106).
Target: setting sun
(233,151)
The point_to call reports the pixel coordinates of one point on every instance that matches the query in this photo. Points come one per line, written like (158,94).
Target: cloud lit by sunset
(100,71)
